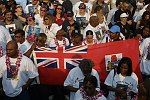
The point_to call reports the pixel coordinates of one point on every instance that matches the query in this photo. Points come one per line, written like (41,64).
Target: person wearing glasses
(33,8)
(31,29)
(50,28)
(19,14)
(83,15)
(39,17)
(59,14)
(23,44)
(39,42)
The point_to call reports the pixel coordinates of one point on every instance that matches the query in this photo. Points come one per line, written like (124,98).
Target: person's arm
(29,52)
(26,86)
(119,91)
(71,88)
(138,24)
(22,18)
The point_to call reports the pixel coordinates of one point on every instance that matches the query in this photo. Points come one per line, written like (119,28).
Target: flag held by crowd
(54,63)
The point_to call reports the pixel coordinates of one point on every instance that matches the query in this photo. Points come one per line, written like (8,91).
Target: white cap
(123,15)
(139,4)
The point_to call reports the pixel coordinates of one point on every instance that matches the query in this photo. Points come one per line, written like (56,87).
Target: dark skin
(118,90)
(12,51)
(85,72)
(40,42)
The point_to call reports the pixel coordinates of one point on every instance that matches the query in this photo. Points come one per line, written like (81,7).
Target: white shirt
(87,16)
(93,29)
(130,82)
(104,26)
(27,10)
(39,20)
(139,16)
(24,47)
(13,87)
(2,48)
(76,7)
(78,96)
(107,38)
(75,78)
(145,63)
(51,33)
(4,35)
(110,17)
(63,42)
(28,31)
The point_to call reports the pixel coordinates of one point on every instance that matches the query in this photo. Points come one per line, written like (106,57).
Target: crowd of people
(28,24)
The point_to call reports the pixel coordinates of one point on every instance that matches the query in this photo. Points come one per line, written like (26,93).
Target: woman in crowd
(59,14)
(89,39)
(122,83)
(31,29)
(82,14)
(3,7)
(102,23)
(144,21)
(50,27)
(88,90)
(19,14)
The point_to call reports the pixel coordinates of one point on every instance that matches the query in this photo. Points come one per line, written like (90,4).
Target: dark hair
(90,78)
(43,35)
(44,5)
(89,32)
(144,14)
(62,13)
(86,63)
(146,26)
(125,1)
(118,2)
(7,11)
(128,61)
(98,8)
(19,31)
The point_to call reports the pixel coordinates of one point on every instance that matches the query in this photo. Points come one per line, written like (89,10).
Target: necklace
(84,96)
(14,72)
(57,44)
(1,51)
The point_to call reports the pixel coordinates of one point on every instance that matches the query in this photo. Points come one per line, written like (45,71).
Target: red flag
(54,63)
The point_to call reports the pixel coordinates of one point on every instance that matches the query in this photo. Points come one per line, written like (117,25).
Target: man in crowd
(10,23)
(76,76)
(114,35)
(39,17)
(23,44)
(17,72)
